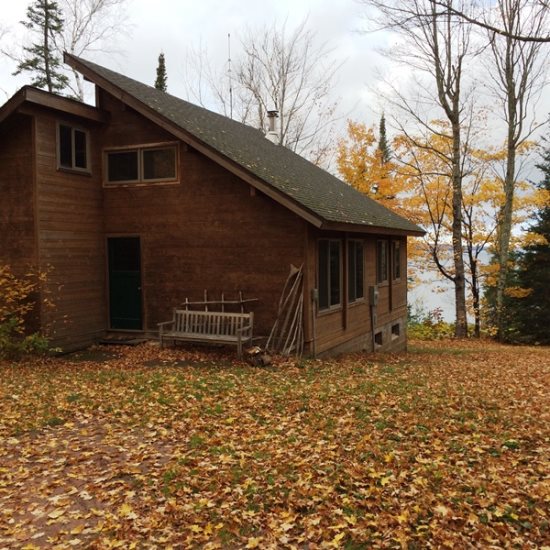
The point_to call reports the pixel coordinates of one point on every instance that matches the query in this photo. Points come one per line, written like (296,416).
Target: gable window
(396,260)
(355,271)
(329,273)
(72,148)
(381,261)
(142,164)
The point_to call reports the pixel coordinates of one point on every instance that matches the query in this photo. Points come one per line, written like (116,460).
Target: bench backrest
(210,322)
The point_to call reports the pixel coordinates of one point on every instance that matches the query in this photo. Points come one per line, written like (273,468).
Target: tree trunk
(461,322)
(47,48)
(475,302)
(505,223)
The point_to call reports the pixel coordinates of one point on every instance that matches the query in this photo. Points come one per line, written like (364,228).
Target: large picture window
(382,263)
(72,148)
(142,164)
(329,273)
(356,272)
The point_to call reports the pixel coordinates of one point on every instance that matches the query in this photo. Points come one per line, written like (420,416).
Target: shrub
(16,304)
(429,325)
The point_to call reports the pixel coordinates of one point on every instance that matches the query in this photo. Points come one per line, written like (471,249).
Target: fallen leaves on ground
(447,446)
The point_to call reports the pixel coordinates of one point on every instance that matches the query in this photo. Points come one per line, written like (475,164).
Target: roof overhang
(370,229)
(29,96)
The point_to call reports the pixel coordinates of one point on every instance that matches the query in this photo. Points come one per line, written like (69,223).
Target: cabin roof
(320,196)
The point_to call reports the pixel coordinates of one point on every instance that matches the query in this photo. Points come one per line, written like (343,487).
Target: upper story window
(72,148)
(356,271)
(382,263)
(396,260)
(143,164)
(329,273)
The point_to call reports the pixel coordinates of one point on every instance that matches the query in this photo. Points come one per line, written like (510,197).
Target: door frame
(108,287)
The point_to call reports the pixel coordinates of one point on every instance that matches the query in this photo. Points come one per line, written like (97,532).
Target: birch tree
(434,44)
(518,75)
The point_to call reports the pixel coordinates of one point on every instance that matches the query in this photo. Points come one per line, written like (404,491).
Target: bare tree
(518,75)
(276,69)
(434,44)
(89,26)
(483,19)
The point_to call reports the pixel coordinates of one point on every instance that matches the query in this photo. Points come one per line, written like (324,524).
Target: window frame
(140,149)
(73,168)
(382,281)
(336,306)
(396,246)
(352,277)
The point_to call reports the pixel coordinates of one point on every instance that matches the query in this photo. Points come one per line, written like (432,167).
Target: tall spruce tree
(160,82)
(383,147)
(530,315)
(45,21)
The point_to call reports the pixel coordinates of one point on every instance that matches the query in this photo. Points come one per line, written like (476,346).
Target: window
(378,339)
(72,144)
(381,261)
(329,273)
(396,260)
(355,271)
(395,331)
(142,165)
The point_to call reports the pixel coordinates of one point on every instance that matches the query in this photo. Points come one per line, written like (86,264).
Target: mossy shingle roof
(311,187)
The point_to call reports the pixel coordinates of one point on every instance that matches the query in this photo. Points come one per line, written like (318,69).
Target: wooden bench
(209,327)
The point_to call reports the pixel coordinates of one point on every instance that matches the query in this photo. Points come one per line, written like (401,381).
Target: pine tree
(530,314)
(44,19)
(383,147)
(160,82)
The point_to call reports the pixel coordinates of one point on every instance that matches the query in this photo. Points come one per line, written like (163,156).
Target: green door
(125,283)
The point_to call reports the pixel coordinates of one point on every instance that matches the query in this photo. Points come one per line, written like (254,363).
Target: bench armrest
(165,323)
(247,328)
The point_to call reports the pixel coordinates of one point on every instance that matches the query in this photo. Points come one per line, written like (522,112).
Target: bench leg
(240,347)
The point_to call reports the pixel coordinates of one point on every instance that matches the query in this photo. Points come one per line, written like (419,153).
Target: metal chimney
(272,132)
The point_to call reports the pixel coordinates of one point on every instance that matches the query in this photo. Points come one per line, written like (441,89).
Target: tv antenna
(230,76)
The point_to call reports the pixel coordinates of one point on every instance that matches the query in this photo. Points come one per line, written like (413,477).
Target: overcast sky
(176,26)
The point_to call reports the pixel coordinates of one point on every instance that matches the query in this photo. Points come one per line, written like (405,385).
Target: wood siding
(17,226)
(17,229)
(70,237)
(351,323)
(209,231)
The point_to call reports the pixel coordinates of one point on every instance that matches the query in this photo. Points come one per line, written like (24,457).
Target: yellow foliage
(360,164)
(533,239)
(15,295)
(517,292)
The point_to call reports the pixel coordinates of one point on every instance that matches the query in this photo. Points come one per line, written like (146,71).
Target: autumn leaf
(56,513)
(253,542)
(442,510)
(399,450)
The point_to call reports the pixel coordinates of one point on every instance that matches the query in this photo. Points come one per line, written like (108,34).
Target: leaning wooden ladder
(287,334)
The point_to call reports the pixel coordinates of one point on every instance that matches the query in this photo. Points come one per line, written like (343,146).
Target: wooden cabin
(144,200)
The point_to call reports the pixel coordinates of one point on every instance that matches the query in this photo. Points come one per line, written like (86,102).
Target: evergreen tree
(530,315)
(383,147)
(160,82)
(44,19)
